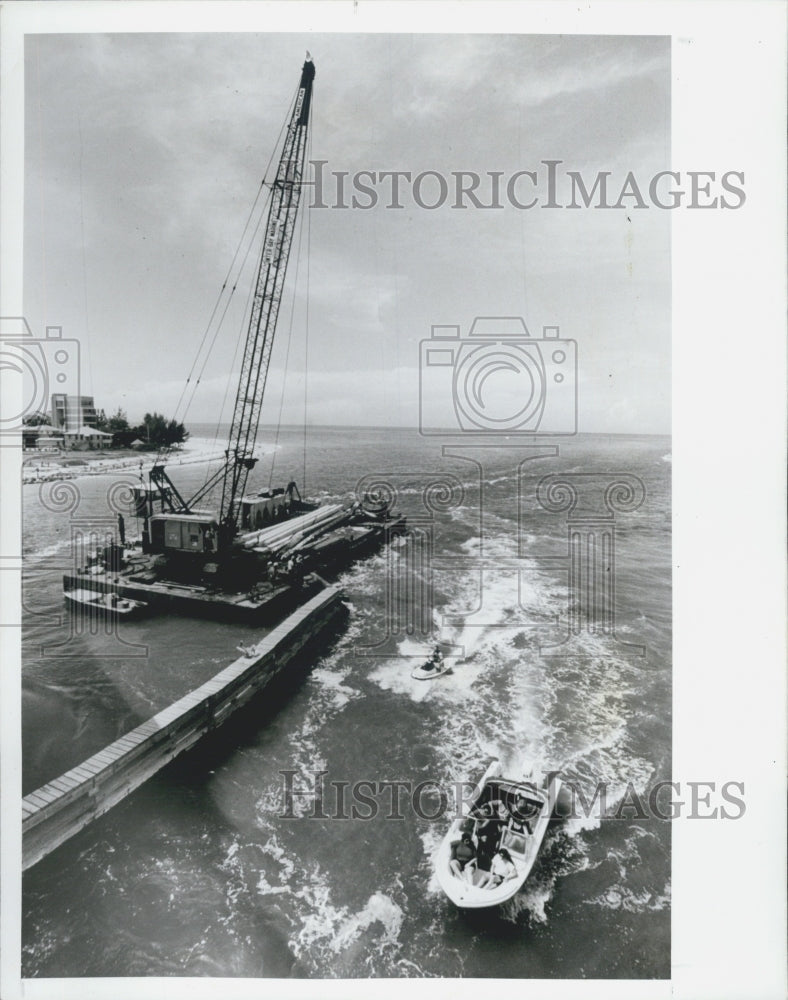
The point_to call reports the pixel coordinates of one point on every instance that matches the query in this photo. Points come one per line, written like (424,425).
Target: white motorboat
(107,604)
(501,813)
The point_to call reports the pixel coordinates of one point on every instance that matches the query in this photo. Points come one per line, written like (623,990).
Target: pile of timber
(283,539)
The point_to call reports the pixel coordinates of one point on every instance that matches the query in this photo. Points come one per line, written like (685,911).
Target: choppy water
(198,873)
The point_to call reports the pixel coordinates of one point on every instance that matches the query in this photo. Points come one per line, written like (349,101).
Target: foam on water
(333,686)
(431,840)
(381,909)
(40,555)
(453,687)
(326,927)
(513,703)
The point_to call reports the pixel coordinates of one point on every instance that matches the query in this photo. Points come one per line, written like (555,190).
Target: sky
(145,152)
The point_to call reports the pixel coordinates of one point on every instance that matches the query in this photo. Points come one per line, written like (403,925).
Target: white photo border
(729,307)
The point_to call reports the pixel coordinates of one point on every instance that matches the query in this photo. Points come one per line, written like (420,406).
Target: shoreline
(42,469)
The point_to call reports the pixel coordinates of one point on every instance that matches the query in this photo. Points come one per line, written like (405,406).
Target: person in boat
(435,662)
(524,812)
(488,833)
(462,859)
(501,870)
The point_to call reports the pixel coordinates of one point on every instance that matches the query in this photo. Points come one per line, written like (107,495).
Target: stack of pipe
(280,537)
(301,539)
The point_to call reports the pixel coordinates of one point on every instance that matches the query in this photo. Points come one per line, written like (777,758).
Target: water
(198,873)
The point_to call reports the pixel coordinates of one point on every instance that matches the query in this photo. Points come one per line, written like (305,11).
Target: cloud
(144,154)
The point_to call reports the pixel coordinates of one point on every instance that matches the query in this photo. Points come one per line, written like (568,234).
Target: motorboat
(435,666)
(501,814)
(106,603)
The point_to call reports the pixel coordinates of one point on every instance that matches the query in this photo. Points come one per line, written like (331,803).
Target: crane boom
(240,560)
(272,268)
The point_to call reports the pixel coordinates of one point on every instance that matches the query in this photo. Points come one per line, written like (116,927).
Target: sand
(47,466)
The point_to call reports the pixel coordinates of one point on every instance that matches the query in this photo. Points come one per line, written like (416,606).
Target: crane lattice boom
(272,268)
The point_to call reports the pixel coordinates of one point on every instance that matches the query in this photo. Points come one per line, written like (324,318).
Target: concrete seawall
(62,807)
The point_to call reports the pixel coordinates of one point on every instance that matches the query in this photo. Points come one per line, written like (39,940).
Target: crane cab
(197,533)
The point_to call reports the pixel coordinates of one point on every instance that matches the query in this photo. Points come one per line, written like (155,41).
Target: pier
(64,806)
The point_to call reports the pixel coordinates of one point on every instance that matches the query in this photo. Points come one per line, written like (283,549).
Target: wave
(39,555)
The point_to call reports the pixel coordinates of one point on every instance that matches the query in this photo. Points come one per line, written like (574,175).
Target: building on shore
(43,437)
(75,418)
(71,413)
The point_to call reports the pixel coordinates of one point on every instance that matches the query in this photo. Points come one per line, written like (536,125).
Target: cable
(248,310)
(289,340)
(224,314)
(219,299)
(239,340)
(165,450)
(84,265)
(237,250)
(308,259)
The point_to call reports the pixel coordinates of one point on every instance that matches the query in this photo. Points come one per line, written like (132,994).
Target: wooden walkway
(60,808)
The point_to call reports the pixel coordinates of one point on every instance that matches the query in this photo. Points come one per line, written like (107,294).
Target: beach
(42,467)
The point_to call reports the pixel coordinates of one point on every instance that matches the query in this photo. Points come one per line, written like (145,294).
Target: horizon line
(451,432)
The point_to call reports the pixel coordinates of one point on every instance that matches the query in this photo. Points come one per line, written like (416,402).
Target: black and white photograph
(357,627)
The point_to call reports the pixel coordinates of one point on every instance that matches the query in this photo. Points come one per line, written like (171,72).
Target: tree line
(155,430)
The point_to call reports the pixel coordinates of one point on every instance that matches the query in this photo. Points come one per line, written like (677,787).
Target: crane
(238,559)
(271,272)
(181,526)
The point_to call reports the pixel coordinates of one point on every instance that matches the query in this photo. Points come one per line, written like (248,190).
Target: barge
(255,588)
(246,555)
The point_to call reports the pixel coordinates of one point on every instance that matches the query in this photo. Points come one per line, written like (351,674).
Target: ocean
(210,870)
